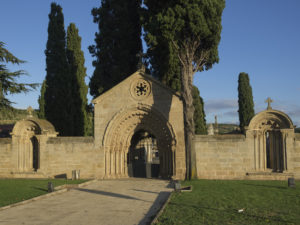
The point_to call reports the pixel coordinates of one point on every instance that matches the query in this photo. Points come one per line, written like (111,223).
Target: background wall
(222,156)
(61,155)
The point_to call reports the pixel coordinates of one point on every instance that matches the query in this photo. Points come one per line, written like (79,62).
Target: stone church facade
(139,131)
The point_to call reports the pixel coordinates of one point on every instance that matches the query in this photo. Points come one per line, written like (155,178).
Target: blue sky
(259,37)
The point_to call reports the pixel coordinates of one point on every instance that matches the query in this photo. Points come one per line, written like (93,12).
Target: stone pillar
(284,158)
(125,163)
(112,164)
(256,146)
(261,150)
(174,161)
(117,163)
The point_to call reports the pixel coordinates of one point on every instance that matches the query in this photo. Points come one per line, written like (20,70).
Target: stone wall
(232,157)
(58,156)
(5,155)
(61,155)
(296,155)
(222,156)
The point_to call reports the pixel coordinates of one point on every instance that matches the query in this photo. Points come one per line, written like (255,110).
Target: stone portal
(270,129)
(139,126)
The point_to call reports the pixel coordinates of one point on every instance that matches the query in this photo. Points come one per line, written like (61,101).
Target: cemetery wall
(5,155)
(222,156)
(61,155)
(296,156)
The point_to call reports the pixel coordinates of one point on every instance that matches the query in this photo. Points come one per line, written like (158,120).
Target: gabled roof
(136,74)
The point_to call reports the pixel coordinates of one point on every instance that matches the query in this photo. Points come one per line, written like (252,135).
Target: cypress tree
(118,43)
(79,88)
(57,94)
(41,101)
(246,105)
(199,114)
(194,28)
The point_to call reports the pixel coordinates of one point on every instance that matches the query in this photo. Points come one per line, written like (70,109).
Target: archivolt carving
(271,119)
(118,135)
(128,121)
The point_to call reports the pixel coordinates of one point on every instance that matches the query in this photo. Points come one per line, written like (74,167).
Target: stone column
(284,159)
(117,153)
(121,163)
(112,166)
(125,163)
(174,161)
(278,149)
(261,150)
(107,164)
(256,146)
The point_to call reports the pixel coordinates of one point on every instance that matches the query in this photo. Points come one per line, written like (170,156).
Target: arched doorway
(123,145)
(143,155)
(26,137)
(270,129)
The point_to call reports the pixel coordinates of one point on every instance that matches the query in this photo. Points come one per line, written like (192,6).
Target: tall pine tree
(165,64)
(57,94)
(79,88)
(194,29)
(118,43)
(246,105)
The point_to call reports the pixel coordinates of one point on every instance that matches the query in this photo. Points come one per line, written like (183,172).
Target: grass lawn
(218,202)
(17,190)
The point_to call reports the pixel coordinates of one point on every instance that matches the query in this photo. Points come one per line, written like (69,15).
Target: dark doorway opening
(274,150)
(143,156)
(35,153)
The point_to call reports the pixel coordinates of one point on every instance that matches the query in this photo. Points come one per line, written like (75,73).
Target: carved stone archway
(270,130)
(26,141)
(120,131)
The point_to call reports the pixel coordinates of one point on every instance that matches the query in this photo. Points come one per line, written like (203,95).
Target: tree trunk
(188,111)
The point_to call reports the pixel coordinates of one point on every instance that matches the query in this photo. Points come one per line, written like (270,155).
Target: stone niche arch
(120,130)
(27,137)
(271,130)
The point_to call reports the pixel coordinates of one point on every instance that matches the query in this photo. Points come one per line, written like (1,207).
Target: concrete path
(107,202)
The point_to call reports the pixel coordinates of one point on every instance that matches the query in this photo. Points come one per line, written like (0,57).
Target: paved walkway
(107,202)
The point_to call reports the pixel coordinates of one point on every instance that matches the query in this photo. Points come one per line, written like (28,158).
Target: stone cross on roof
(29,110)
(269,101)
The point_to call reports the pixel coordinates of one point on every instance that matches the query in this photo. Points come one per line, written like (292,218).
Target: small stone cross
(29,110)
(269,101)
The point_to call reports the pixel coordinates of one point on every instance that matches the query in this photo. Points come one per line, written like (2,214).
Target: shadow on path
(111,194)
(152,192)
(156,206)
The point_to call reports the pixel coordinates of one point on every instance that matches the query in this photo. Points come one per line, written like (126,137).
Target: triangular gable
(131,77)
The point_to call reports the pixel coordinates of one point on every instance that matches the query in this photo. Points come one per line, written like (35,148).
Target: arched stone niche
(123,126)
(270,130)
(27,137)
